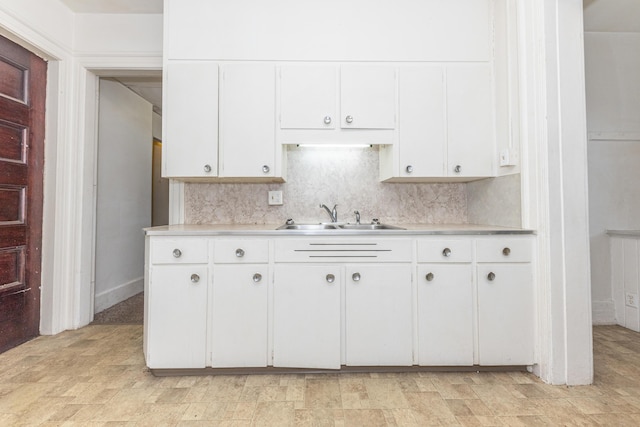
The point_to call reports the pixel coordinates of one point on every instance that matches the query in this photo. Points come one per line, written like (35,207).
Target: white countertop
(623,232)
(270,230)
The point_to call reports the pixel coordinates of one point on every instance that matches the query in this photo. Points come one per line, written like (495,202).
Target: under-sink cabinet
(334,302)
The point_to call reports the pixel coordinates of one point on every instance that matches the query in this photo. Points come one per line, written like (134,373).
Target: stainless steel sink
(323,226)
(365,227)
(308,227)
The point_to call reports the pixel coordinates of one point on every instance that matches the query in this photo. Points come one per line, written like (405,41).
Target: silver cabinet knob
(177,253)
(239,252)
(446,252)
(331,278)
(409,169)
(457,169)
(429,277)
(207,168)
(491,276)
(356,277)
(265,169)
(195,278)
(327,120)
(349,119)
(506,252)
(257,277)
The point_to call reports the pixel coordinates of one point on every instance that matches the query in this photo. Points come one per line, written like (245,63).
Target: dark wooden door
(22,100)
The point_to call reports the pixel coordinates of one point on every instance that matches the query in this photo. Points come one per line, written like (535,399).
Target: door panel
(22,96)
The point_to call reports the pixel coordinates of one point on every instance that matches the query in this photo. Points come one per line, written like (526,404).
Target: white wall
(612,63)
(123,193)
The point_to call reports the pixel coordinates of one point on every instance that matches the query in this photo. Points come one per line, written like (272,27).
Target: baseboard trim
(603,313)
(118,294)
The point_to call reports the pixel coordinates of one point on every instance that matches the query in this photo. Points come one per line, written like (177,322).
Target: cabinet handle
(409,169)
(195,278)
(265,169)
(177,253)
(446,252)
(207,168)
(429,277)
(506,252)
(257,277)
(327,120)
(356,277)
(239,252)
(331,278)
(349,119)
(457,169)
(491,276)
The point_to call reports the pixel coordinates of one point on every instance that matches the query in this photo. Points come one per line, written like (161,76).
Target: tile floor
(96,376)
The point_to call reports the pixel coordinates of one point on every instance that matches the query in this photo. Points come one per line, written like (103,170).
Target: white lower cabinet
(306,316)
(322,303)
(445,314)
(239,327)
(176,319)
(506,301)
(378,316)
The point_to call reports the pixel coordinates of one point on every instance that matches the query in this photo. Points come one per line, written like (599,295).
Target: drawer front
(444,250)
(504,249)
(179,250)
(343,250)
(240,251)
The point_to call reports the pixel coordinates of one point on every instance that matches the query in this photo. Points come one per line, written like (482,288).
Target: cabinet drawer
(444,251)
(179,250)
(235,251)
(343,250)
(509,249)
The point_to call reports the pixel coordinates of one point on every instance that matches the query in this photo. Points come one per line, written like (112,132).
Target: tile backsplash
(344,176)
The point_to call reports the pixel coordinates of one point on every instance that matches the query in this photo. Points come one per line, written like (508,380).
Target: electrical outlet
(632,300)
(275,198)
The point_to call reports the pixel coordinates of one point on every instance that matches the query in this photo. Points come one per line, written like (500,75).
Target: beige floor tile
(96,376)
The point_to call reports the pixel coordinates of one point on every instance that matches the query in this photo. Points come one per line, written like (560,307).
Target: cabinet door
(505,314)
(190,140)
(445,314)
(239,316)
(421,122)
(308,97)
(177,318)
(367,97)
(306,316)
(470,122)
(378,315)
(247,121)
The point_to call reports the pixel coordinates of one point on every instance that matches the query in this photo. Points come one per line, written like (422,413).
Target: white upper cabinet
(247,121)
(471,146)
(343,104)
(308,97)
(367,97)
(422,133)
(190,119)
(446,125)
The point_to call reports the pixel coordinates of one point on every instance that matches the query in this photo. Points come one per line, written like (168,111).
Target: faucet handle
(375,221)
(357,216)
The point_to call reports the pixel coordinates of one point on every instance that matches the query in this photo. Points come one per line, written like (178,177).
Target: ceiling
(599,16)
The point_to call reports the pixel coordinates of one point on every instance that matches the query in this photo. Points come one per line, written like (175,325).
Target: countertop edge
(270,230)
(623,232)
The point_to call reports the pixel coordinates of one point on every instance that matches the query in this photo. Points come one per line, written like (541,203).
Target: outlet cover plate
(275,198)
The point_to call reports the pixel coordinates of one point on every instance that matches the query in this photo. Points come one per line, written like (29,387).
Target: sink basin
(322,226)
(308,227)
(369,227)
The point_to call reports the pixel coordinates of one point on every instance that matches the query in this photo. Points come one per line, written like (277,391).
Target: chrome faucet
(357,217)
(333,213)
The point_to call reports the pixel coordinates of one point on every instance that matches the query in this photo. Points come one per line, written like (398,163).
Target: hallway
(96,376)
